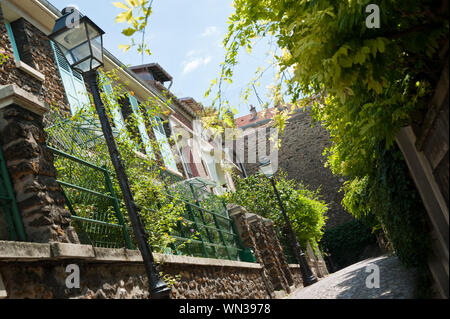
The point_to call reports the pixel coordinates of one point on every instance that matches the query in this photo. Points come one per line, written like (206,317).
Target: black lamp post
(308,277)
(81,42)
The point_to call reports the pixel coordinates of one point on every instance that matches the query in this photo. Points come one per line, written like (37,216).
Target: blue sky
(185,38)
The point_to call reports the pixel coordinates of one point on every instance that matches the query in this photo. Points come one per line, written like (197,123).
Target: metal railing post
(191,213)
(14,221)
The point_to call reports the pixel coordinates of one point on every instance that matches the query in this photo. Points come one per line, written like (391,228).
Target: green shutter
(164,145)
(141,125)
(115,109)
(73,82)
(13,41)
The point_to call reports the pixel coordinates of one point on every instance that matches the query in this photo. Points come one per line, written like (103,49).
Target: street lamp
(81,42)
(266,169)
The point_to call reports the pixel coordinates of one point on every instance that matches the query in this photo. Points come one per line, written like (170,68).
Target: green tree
(367,83)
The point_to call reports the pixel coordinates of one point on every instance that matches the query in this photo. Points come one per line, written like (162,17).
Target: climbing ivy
(389,197)
(366,84)
(158,212)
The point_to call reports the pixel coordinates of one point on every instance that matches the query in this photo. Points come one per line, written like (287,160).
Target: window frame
(12,39)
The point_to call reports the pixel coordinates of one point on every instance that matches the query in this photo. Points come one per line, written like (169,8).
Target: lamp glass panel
(81,52)
(97,48)
(93,32)
(72,37)
(85,66)
(266,169)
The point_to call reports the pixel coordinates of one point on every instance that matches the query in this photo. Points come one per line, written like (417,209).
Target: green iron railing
(8,204)
(95,208)
(207,217)
(205,229)
(216,235)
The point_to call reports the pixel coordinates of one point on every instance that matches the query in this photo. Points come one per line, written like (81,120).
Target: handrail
(85,190)
(76,159)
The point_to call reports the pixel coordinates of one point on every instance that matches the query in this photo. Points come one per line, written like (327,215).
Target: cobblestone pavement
(396,282)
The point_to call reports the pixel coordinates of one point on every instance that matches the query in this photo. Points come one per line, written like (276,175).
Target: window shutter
(73,82)
(115,109)
(13,41)
(141,125)
(164,145)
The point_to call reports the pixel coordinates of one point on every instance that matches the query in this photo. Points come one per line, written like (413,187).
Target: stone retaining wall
(31,270)
(258,234)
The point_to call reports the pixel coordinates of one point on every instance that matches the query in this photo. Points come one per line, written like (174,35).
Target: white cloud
(206,60)
(209,31)
(191,53)
(195,64)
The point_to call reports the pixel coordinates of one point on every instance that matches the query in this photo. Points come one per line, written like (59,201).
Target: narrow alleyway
(395,282)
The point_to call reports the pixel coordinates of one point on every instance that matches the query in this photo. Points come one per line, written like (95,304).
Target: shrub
(303,207)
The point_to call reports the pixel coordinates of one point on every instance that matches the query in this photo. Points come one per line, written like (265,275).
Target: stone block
(24,251)
(65,251)
(13,94)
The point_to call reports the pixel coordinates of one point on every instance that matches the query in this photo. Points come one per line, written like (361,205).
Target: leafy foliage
(369,83)
(371,80)
(3,57)
(136,14)
(389,197)
(304,208)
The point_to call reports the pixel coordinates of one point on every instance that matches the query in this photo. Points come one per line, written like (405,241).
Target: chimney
(253,111)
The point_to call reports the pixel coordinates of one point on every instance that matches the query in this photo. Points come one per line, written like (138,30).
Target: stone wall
(301,156)
(27,89)
(259,235)
(38,54)
(32,270)
(33,176)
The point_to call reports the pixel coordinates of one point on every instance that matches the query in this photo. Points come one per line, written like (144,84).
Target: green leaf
(124,47)
(133,3)
(128,32)
(122,17)
(121,5)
